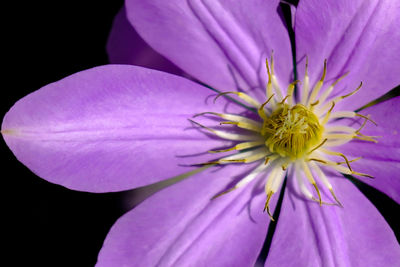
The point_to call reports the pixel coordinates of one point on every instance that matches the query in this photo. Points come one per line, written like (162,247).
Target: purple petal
(110,128)
(310,235)
(357,36)
(125,46)
(222,43)
(381,160)
(181,225)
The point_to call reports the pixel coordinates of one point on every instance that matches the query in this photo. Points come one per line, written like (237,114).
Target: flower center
(291,132)
(293,136)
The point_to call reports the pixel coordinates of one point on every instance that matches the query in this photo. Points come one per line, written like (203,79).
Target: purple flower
(118,127)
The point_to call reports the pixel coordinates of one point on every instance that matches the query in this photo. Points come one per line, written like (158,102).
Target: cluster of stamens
(289,134)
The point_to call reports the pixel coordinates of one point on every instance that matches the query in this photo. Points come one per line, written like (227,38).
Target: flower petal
(221,43)
(310,235)
(181,225)
(356,36)
(125,46)
(381,160)
(110,128)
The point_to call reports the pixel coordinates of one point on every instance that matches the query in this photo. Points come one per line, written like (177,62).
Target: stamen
(366,117)
(318,85)
(333,143)
(350,161)
(240,146)
(300,182)
(237,158)
(340,98)
(283,100)
(317,160)
(269,195)
(243,181)
(274,79)
(291,133)
(315,148)
(333,153)
(346,171)
(290,92)
(261,111)
(230,117)
(274,180)
(310,178)
(325,181)
(314,104)
(248,99)
(228,136)
(334,196)
(367,138)
(269,92)
(306,85)
(244,125)
(327,92)
(342,114)
(339,136)
(326,118)
(332,129)
(362,125)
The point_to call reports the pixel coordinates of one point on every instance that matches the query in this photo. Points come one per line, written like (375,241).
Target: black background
(46,224)
(43,41)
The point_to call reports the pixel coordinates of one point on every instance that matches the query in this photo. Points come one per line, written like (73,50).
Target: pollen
(292,131)
(292,138)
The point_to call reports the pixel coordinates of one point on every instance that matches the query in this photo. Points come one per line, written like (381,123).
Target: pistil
(291,136)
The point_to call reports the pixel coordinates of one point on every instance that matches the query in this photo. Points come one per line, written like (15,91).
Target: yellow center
(292,131)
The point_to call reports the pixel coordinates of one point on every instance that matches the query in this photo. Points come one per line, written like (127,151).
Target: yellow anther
(352,93)
(362,174)
(362,125)
(272,62)
(317,160)
(248,99)
(315,148)
(318,85)
(290,90)
(222,150)
(350,161)
(261,111)
(326,118)
(243,125)
(334,153)
(223,193)
(269,195)
(334,196)
(268,70)
(291,132)
(314,104)
(318,193)
(366,117)
(310,178)
(283,100)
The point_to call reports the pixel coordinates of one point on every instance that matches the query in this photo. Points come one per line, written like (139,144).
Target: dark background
(44,41)
(46,224)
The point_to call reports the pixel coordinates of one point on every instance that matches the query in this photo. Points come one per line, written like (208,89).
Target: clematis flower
(118,127)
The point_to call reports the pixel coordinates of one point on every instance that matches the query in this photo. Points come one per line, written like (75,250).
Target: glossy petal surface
(125,46)
(310,235)
(221,43)
(356,36)
(381,160)
(181,226)
(110,128)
